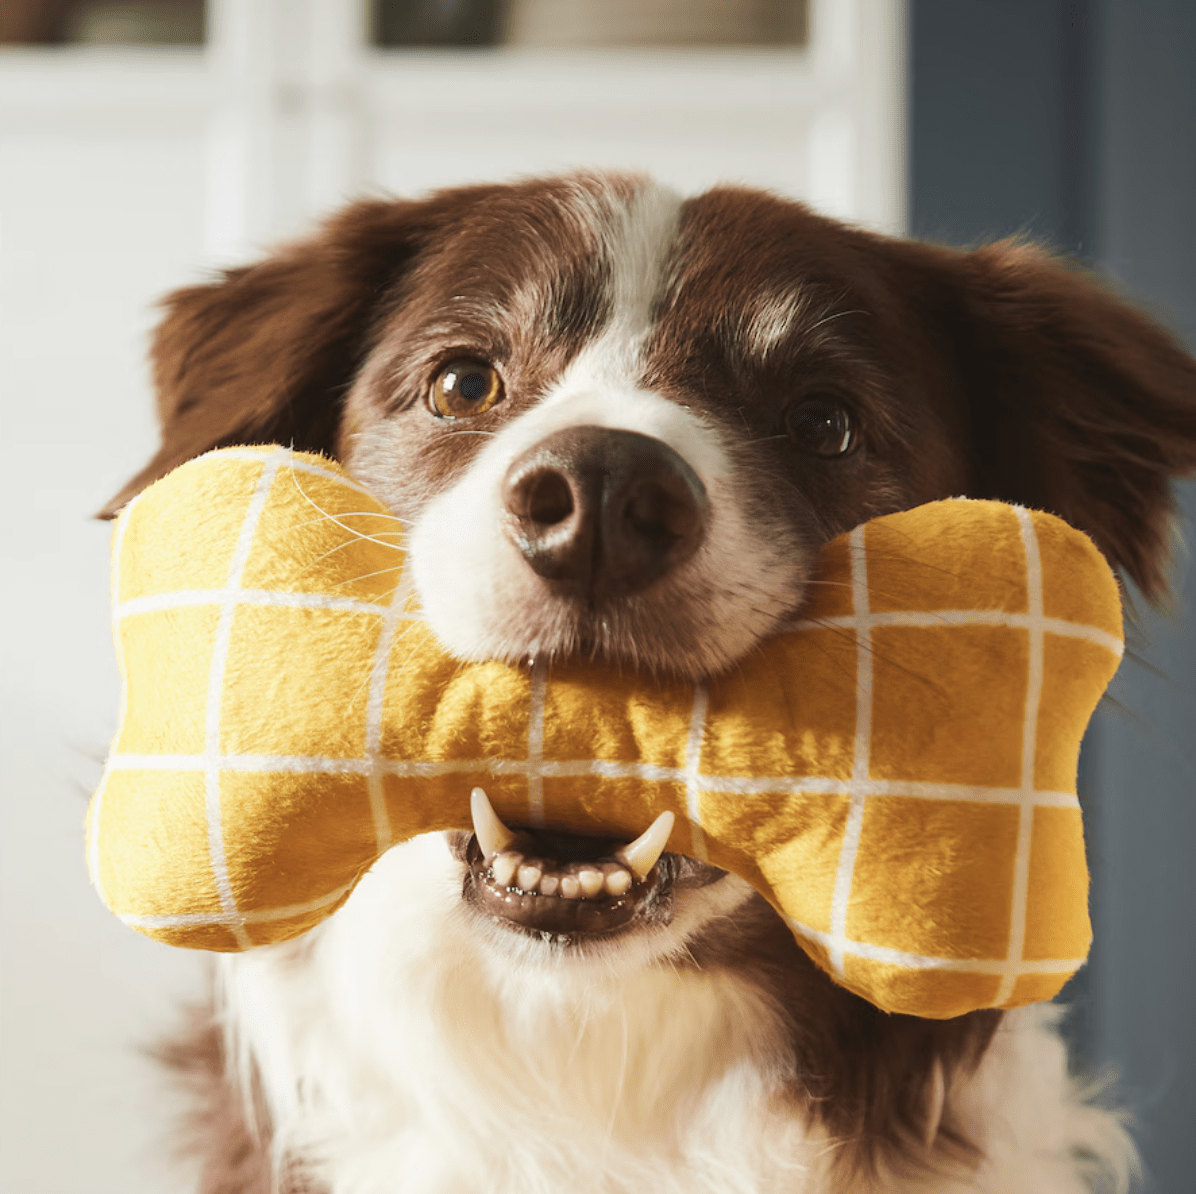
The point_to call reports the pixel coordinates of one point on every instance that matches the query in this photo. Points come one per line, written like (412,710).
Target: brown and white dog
(620,423)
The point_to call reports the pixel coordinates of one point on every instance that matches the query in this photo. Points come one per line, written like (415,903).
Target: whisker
(448,439)
(352,580)
(383,514)
(352,543)
(329,517)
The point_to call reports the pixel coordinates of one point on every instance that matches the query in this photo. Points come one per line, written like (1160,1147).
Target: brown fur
(863,1073)
(233,1153)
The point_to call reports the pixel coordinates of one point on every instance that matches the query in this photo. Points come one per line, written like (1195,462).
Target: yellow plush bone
(895,772)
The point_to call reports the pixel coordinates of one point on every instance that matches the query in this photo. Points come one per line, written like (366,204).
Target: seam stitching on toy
(535,743)
(258,916)
(270,467)
(379,675)
(1025,822)
(299,466)
(960,617)
(966,617)
(196,597)
(576,768)
(840,899)
(693,763)
(885,954)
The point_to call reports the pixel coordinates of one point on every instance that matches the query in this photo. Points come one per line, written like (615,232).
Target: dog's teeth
(570,887)
(528,876)
(591,880)
(503,868)
(493,836)
(618,881)
(641,855)
(549,885)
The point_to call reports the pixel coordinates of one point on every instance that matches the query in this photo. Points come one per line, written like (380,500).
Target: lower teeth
(582,881)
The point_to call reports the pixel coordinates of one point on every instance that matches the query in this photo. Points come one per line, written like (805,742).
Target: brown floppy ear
(266,352)
(1077,403)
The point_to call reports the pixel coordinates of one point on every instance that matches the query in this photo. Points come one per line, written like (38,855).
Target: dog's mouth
(568,888)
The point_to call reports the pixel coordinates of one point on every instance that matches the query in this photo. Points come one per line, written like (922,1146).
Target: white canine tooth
(618,882)
(493,836)
(505,866)
(570,887)
(528,876)
(549,884)
(591,880)
(641,855)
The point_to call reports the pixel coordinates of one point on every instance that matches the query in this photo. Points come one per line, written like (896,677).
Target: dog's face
(619,424)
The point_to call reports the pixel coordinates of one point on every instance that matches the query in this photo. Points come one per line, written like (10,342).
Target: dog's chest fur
(401,1051)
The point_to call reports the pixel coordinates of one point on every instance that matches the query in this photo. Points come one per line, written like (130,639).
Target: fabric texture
(895,771)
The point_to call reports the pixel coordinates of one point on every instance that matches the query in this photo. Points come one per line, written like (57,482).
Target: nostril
(547,519)
(544,497)
(655,513)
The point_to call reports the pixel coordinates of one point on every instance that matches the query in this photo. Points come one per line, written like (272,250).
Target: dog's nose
(600,512)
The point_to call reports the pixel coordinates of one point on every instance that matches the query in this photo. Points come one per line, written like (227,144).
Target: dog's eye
(464,388)
(822,426)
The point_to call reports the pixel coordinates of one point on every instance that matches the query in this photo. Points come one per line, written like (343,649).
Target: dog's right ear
(266,353)
(1076,402)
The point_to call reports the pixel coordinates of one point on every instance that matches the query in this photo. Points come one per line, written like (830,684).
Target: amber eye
(822,426)
(464,388)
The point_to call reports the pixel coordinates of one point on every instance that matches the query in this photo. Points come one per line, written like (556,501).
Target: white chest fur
(402,1050)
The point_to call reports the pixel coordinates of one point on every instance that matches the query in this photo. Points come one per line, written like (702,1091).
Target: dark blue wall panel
(999,91)
(1076,123)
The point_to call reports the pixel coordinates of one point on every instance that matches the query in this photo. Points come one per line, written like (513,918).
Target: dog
(617,423)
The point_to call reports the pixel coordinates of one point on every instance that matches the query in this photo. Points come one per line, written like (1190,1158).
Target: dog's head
(795,375)
(620,423)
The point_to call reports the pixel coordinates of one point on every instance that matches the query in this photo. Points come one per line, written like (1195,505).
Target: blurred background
(145,142)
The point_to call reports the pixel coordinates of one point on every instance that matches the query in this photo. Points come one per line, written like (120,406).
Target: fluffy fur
(415,1042)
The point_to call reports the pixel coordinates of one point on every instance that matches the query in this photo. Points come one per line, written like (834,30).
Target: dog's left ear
(1077,403)
(266,353)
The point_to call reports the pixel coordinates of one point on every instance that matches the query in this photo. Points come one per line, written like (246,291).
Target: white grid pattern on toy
(860,788)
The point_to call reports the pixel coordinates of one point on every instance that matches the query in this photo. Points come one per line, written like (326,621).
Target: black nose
(602,513)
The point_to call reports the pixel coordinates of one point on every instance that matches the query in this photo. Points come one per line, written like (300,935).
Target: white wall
(99,212)
(123,175)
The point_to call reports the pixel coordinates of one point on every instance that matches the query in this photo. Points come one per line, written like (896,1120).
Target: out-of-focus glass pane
(591,23)
(438,22)
(102,22)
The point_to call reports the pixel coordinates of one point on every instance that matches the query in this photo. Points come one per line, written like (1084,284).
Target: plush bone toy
(895,772)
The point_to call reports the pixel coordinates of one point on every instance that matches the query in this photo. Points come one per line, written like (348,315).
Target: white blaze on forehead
(640,244)
(636,243)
